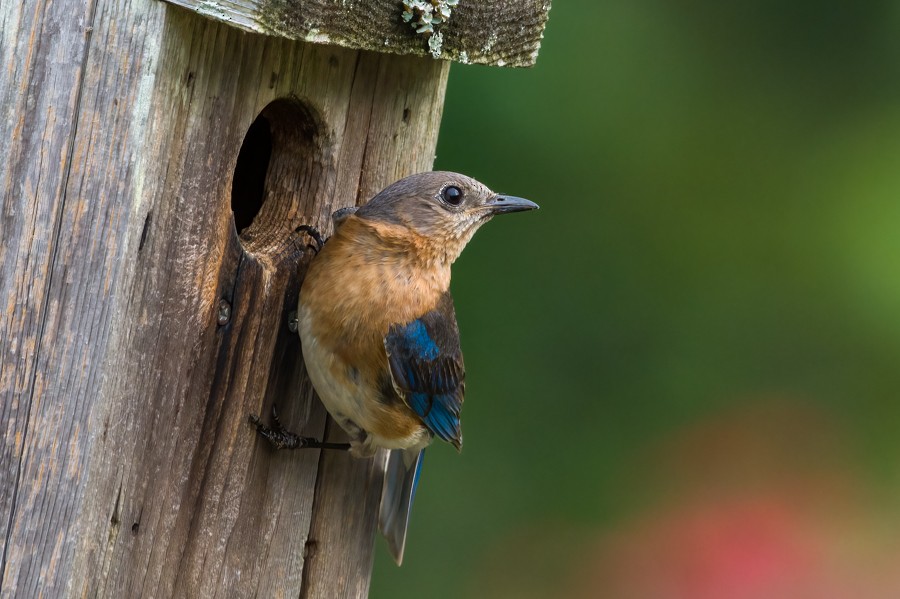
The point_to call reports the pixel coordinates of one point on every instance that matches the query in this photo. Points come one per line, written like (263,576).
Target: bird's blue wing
(427,368)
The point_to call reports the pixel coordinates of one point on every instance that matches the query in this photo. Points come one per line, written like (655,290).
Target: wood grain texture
(127,466)
(494,32)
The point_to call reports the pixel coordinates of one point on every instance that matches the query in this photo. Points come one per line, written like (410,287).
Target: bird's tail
(401,476)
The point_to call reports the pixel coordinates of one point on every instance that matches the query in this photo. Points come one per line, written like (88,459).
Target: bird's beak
(502,204)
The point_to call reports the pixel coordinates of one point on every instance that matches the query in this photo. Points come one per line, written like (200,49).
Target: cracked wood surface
(127,466)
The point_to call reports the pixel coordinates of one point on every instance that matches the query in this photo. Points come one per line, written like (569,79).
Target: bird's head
(442,208)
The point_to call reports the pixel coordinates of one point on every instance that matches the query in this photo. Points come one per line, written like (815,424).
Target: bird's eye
(453,195)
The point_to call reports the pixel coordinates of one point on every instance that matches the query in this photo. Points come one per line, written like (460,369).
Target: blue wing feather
(427,368)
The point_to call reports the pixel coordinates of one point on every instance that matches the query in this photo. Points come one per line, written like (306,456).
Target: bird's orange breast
(367,277)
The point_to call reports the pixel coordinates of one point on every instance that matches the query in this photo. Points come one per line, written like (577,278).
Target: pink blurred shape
(757,503)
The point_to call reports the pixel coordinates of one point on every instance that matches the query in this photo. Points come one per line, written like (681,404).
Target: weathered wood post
(154,164)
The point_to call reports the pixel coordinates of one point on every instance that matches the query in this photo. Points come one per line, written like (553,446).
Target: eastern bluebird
(378,327)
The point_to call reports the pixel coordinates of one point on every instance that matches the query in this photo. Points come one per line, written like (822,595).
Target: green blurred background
(684,369)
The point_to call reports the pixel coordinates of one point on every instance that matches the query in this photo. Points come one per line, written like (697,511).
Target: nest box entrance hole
(250,173)
(280,171)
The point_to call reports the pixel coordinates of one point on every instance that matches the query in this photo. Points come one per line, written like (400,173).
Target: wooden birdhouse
(156,161)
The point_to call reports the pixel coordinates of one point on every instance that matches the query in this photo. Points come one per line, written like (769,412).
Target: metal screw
(224,316)
(292,322)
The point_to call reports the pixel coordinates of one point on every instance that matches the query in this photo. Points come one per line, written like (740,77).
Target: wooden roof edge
(491,32)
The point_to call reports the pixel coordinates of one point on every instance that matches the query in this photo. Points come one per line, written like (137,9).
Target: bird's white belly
(344,397)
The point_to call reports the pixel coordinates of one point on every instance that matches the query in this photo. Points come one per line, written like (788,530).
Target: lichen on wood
(493,32)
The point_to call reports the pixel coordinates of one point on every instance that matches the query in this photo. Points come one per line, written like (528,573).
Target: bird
(378,328)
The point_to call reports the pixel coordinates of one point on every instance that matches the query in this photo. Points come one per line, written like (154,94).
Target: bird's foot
(315,234)
(280,438)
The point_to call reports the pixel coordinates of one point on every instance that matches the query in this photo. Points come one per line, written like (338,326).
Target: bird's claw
(276,435)
(279,438)
(315,234)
